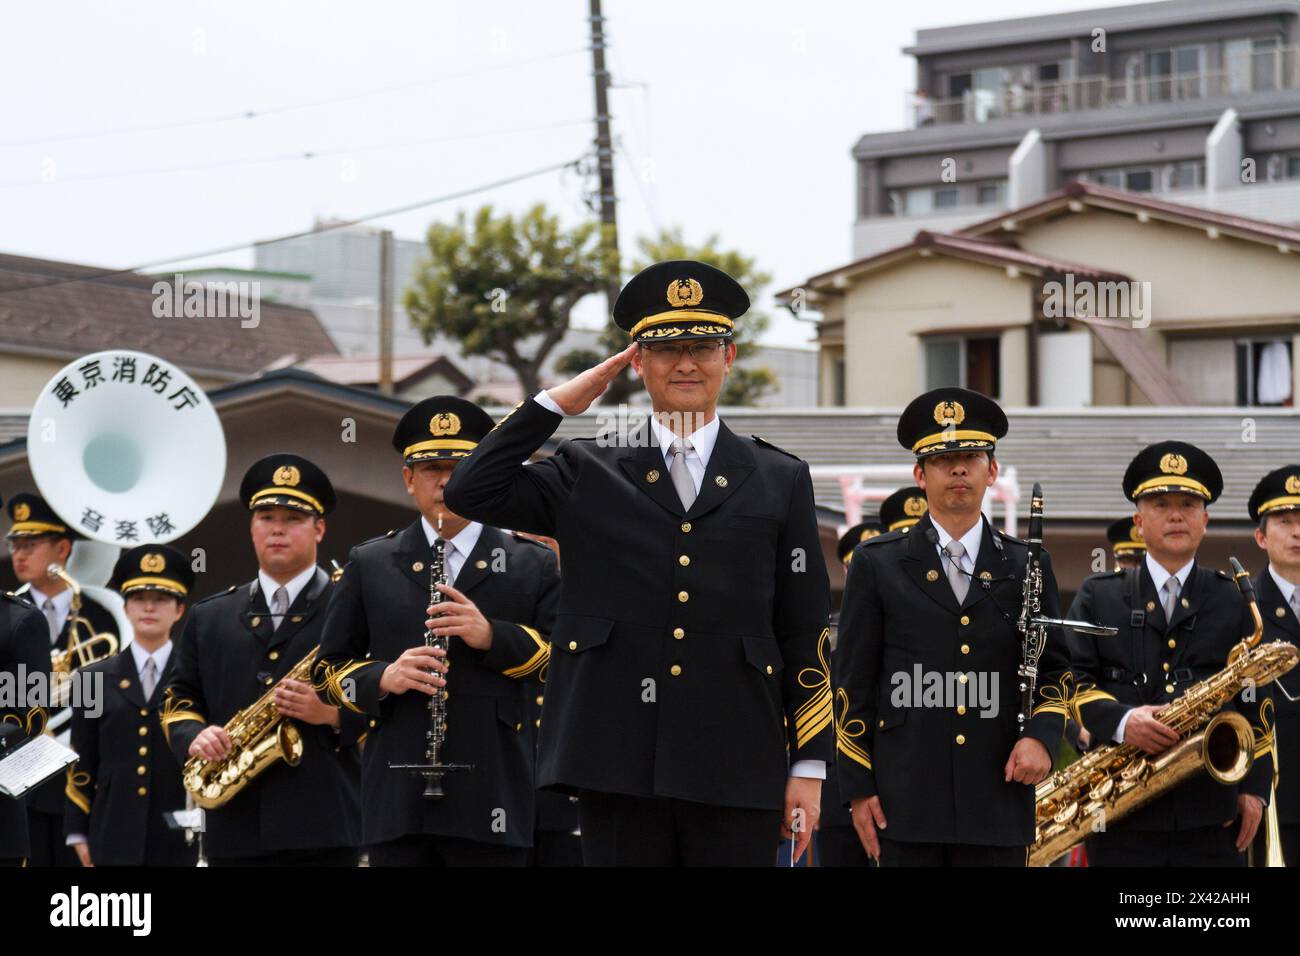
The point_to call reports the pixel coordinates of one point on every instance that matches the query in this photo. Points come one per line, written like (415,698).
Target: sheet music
(32,764)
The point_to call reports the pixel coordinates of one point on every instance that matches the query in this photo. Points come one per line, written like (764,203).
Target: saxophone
(1112,781)
(259,736)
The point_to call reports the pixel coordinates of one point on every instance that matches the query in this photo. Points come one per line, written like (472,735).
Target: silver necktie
(52,619)
(1171,598)
(149,677)
(1295,602)
(680,474)
(279,607)
(956,577)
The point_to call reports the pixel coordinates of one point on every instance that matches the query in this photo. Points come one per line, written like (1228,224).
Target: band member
(1126,544)
(931,757)
(125,778)
(1275,507)
(241,642)
(1177,621)
(903,509)
(498,608)
(854,536)
(24,649)
(37,539)
(688,703)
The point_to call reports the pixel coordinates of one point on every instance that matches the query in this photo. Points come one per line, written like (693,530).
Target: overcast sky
(734,117)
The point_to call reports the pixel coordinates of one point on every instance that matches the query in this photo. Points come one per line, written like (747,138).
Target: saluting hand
(458,616)
(1029,762)
(414,670)
(577,394)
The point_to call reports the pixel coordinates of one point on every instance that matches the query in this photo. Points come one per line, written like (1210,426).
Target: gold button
(1169,688)
(540,698)
(675,670)
(274,655)
(965,648)
(124,683)
(961,739)
(417,567)
(683,596)
(932,575)
(769,668)
(518,727)
(144,712)
(882,723)
(297,619)
(1280,612)
(144,751)
(961,710)
(141,770)
(267,680)
(679,633)
(965,620)
(684,561)
(255,621)
(1151,606)
(143,731)
(374,724)
(721,481)
(686,527)
(480,564)
(141,791)
(1184,602)
(573,645)
(964,678)
(1172,643)
(1166,667)
(538,721)
(652,475)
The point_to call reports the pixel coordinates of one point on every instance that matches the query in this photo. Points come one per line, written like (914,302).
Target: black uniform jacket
(24,649)
(1154,661)
(937,760)
(377,612)
(229,656)
(691,645)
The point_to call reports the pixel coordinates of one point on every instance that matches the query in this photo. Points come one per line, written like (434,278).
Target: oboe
(433,769)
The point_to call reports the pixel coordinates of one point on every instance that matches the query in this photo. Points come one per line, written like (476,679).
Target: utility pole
(604,148)
(386,312)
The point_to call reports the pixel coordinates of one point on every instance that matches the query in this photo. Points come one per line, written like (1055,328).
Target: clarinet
(433,769)
(1032,626)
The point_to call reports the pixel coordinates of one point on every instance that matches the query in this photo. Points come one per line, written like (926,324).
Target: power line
(294,157)
(285,108)
(382,214)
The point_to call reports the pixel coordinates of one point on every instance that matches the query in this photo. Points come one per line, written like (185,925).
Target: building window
(945,198)
(972,362)
(1264,372)
(989,194)
(1168,177)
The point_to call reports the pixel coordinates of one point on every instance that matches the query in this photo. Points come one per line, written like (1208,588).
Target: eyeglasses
(700,352)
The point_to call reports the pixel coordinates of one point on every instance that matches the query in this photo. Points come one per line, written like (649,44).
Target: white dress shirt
(1286,587)
(62,607)
(971,541)
(458,549)
(697,463)
(1159,577)
(294,586)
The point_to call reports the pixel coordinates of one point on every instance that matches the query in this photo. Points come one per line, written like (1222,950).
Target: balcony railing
(1264,70)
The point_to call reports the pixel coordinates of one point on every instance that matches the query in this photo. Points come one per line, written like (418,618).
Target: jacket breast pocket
(576,633)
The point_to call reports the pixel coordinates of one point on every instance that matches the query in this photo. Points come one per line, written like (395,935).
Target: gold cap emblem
(1173,464)
(949,413)
(684,292)
(1135,533)
(1293,485)
(868,534)
(22,511)
(444,423)
(915,507)
(286,475)
(152,563)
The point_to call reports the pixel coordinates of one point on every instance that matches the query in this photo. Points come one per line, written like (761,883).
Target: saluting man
(940,774)
(125,778)
(37,539)
(1275,507)
(688,698)
(1177,621)
(239,644)
(498,611)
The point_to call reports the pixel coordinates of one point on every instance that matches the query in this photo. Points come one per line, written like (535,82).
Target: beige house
(1091,297)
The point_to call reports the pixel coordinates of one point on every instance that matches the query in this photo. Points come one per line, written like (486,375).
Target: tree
(743,386)
(504,287)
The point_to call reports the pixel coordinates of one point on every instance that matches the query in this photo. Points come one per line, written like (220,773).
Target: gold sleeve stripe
(1263,745)
(853,752)
(847,731)
(175,711)
(1084,697)
(814,714)
(539,658)
(331,682)
(1052,708)
(76,780)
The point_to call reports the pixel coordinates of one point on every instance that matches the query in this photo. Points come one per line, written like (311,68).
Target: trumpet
(84,645)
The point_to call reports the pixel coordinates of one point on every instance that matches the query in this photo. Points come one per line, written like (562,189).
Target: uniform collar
(971,540)
(702,439)
(1159,575)
(1283,585)
(294,587)
(463,542)
(160,656)
(62,600)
